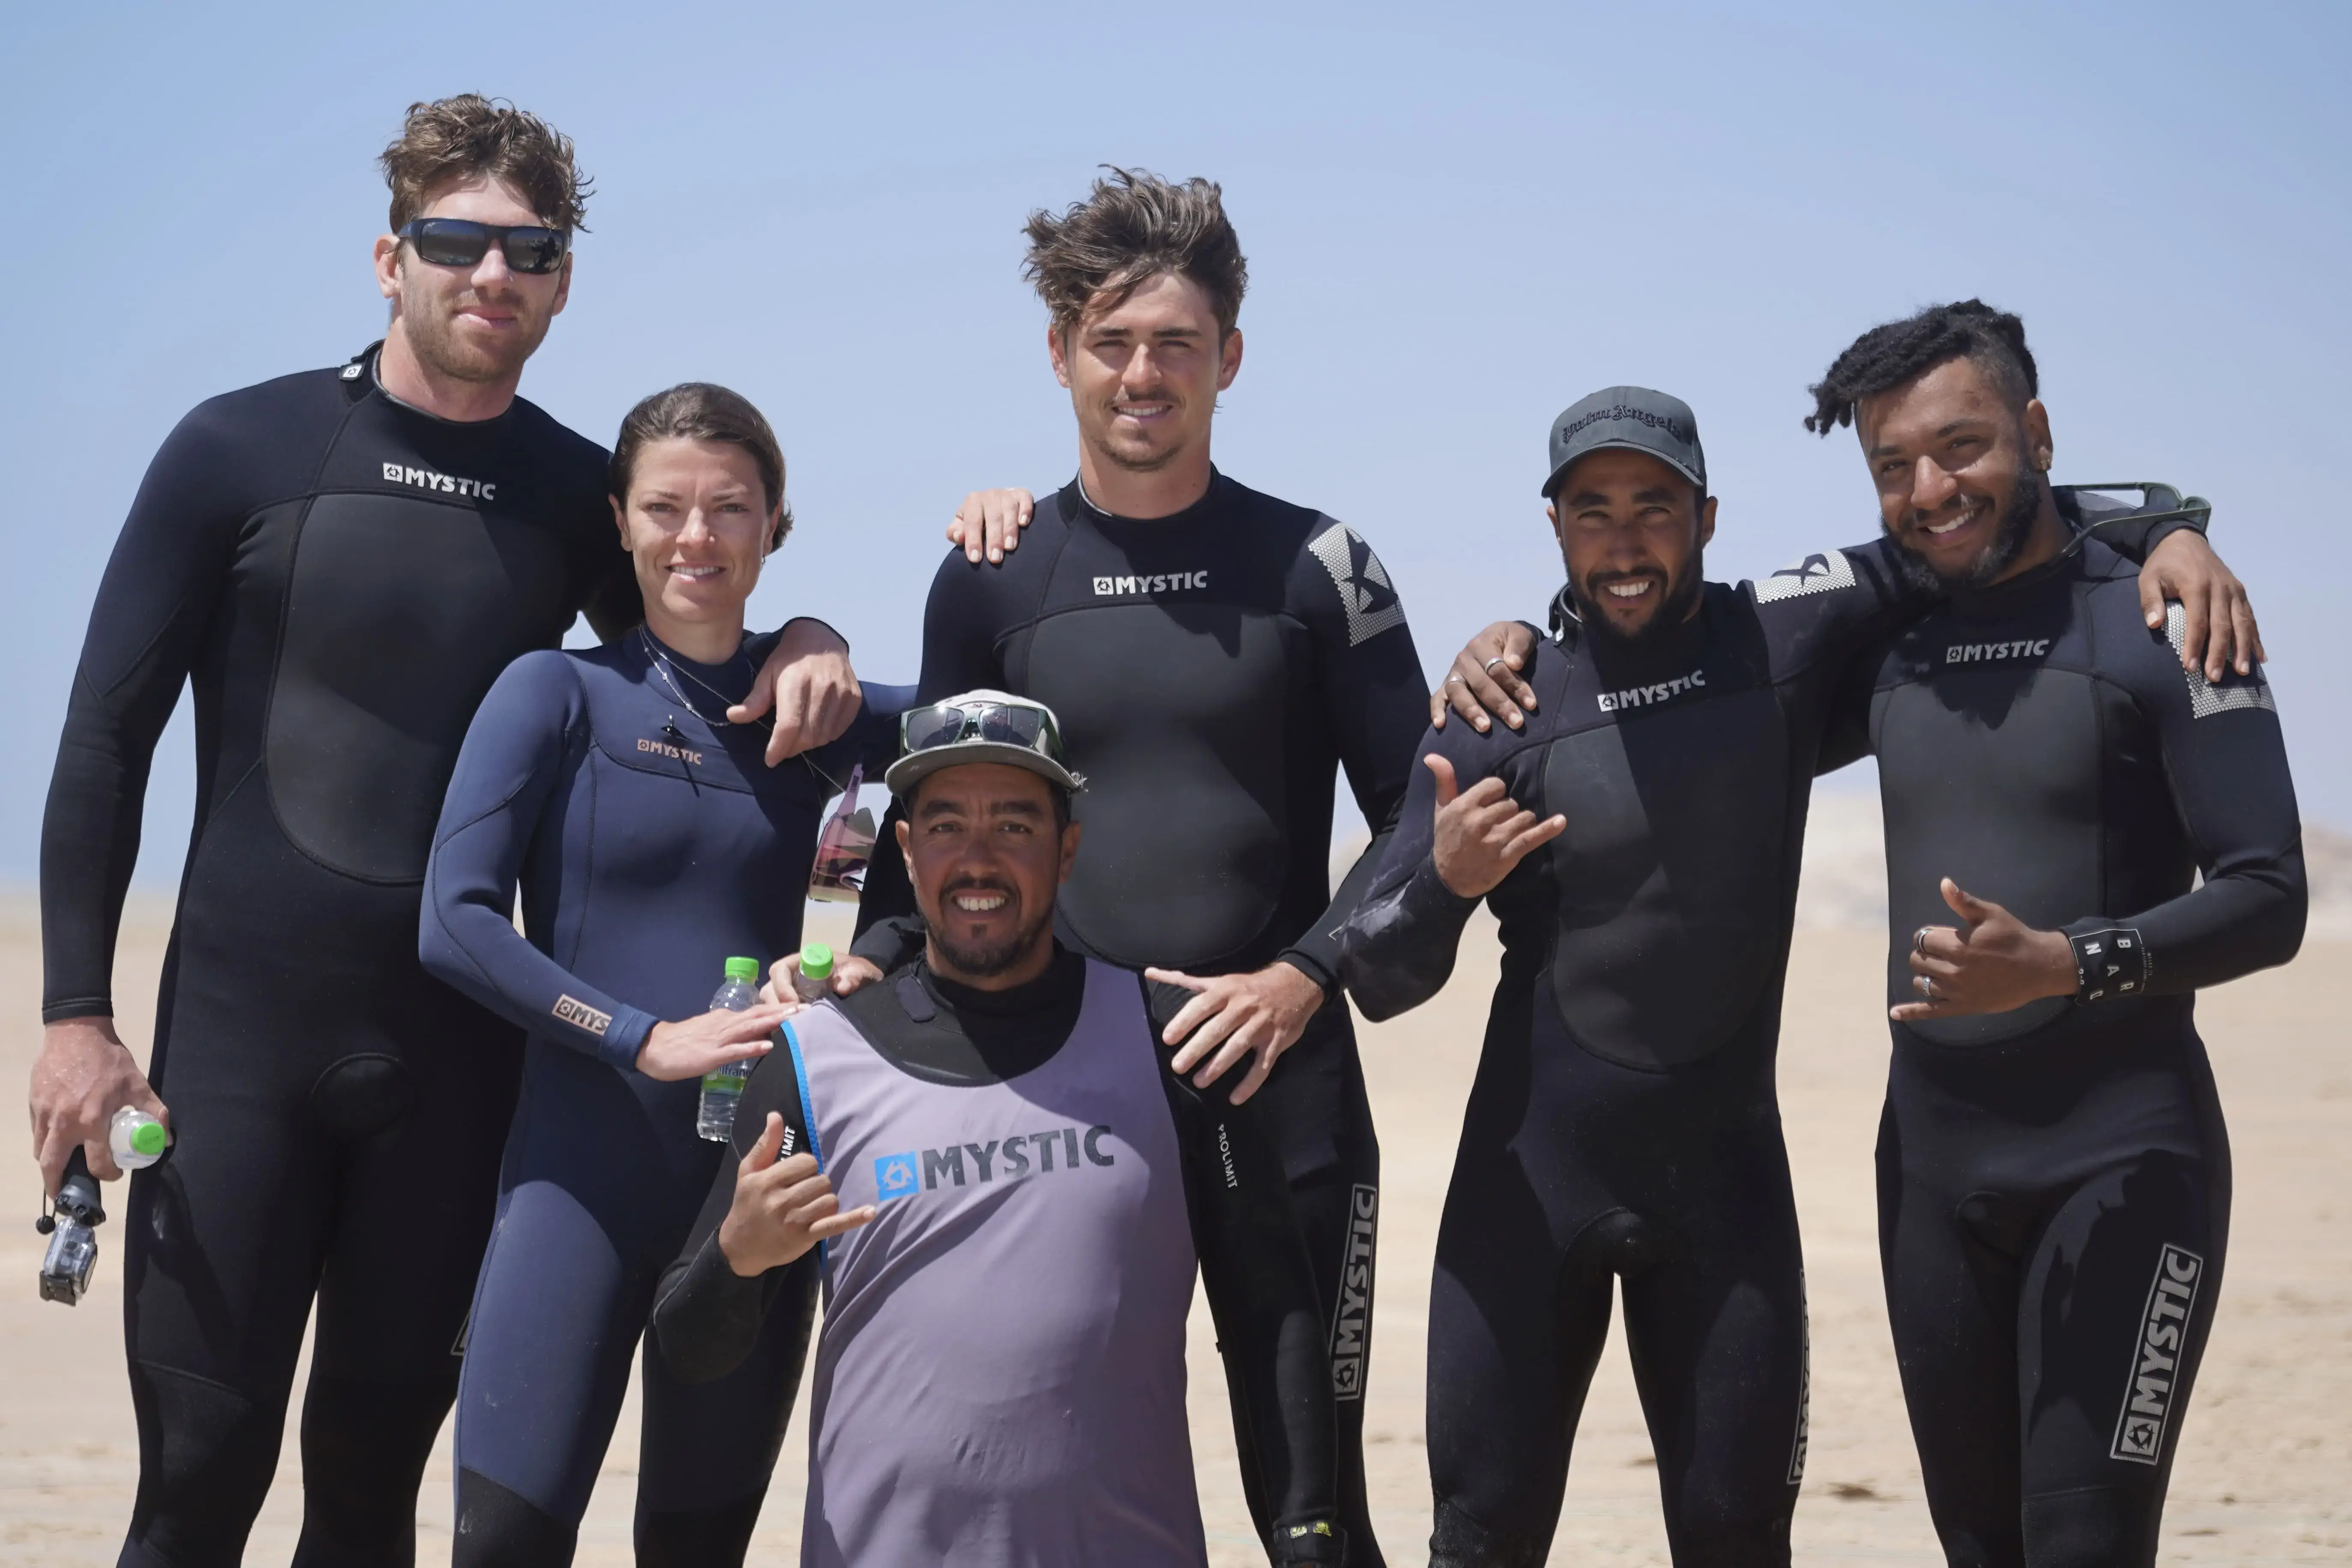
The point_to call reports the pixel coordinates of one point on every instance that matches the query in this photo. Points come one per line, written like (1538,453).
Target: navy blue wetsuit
(650,844)
(2054,1181)
(1623,1121)
(337,579)
(1212,671)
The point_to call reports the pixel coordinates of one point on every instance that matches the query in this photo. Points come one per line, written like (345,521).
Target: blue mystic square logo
(894,1176)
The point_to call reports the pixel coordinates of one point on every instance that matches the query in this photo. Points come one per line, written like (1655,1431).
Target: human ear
(2039,448)
(1707,520)
(1069,850)
(620,520)
(1229,354)
(1057,349)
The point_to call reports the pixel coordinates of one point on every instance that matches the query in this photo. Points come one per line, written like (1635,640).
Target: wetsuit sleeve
(516,753)
(2227,762)
(707,1318)
(1397,949)
(1261,1291)
(1375,701)
(155,605)
(959,623)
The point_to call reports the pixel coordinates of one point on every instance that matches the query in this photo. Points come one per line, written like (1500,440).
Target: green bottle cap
(742,969)
(816,961)
(149,1138)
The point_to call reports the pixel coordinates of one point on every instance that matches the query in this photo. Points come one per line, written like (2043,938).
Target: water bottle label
(725,1081)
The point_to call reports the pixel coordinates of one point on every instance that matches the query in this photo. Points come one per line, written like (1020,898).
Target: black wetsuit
(1261,1291)
(339,578)
(2054,1181)
(1623,1120)
(1211,671)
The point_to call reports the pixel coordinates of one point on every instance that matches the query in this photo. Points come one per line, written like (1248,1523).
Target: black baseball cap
(1632,417)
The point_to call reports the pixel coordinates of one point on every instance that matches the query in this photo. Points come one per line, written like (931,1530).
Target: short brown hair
(470,136)
(699,411)
(1133,226)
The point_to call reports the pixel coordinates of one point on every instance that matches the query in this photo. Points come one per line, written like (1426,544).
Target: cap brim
(1551,485)
(916,766)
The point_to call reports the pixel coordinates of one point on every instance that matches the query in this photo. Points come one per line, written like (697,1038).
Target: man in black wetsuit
(339,562)
(1216,655)
(2054,1172)
(1624,1122)
(1010,1186)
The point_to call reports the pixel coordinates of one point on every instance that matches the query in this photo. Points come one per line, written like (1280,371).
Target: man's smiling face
(1959,471)
(986,850)
(1632,532)
(1144,373)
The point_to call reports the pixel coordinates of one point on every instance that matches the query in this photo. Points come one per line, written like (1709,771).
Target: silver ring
(1491,663)
(1926,985)
(1920,940)
(1456,680)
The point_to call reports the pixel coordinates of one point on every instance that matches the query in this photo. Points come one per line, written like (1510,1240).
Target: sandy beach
(2264,1453)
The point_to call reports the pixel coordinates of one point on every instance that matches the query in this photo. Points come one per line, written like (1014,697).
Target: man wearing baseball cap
(1003,1190)
(1624,1124)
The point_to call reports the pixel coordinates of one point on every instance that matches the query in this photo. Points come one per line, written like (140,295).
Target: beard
(2008,542)
(430,327)
(983,961)
(1680,594)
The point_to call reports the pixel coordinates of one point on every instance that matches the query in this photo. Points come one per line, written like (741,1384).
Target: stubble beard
(1681,593)
(433,338)
(2008,543)
(986,962)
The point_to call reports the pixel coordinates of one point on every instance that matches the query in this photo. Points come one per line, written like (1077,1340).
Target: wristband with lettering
(2112,962)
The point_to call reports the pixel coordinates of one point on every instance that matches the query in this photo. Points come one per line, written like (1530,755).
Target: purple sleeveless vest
(1000,1377)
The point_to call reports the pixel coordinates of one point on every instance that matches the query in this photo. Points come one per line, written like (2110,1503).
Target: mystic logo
(581,1016)
(1351,1325)
(447,484)
(1005,1159)
(2163,1334)
(1978,652)
(663,749)
(1159,583)
(1804,1384)
(1651,696)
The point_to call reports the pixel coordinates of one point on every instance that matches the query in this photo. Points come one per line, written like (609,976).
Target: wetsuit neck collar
(2006,597)
(1570,629)
(701,685)
(368,362)
(1076,503)
(1064,976)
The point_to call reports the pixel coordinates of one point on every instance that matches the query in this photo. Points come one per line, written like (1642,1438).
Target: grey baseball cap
(1632,417)
(980,726)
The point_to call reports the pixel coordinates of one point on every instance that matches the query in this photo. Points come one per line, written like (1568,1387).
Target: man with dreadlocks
(2053,1176)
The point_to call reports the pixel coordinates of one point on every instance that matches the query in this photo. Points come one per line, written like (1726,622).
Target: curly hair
(1895,352)
(702,411)
(1133,226)
(470,136)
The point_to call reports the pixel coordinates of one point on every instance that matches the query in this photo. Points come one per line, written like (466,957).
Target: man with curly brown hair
(339,562)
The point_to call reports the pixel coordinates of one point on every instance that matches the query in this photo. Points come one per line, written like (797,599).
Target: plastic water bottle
(722,1088)
(814,981)
(138,1139)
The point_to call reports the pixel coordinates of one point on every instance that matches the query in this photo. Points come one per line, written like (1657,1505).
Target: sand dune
(2264,1452)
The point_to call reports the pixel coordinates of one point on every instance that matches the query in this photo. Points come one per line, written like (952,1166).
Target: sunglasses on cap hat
(1006,720)
(462,242)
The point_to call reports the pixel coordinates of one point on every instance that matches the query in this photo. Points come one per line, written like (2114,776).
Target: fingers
(763,1152)
(1254,1079)
(756,701)
(969,528)
(1437,708)
(1008,514)
(2243,632)
(99,1153)
(1911,1012)
(849,1220)
(1203,1040)
(755,1023)
(2194,628)
(1535,837)
(1456,697)
(52,1151)
(1443,768)
(1491,698)
(2151,600)
(853,974)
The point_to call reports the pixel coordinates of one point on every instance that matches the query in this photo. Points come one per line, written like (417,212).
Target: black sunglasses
(1015,723)
(461,242)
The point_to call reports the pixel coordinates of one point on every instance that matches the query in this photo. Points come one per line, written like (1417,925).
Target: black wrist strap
(2110,963)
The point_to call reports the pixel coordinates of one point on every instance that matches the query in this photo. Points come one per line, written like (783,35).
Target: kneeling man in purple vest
(1002,1191)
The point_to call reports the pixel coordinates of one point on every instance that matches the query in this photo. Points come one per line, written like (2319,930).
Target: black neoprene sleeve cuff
(2110,961)
(707,1317)
(1400,947)
(1316,1541)
(816,620)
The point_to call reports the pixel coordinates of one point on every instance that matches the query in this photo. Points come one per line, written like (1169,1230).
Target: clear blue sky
(1458,220)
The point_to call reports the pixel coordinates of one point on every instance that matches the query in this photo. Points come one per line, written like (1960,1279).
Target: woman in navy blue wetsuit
(650,844)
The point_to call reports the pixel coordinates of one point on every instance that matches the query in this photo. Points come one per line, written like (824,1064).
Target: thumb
(1447,788)
(1966,905)
(756,701)
(771,1142)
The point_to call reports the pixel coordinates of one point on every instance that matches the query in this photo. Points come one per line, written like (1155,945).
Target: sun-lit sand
(2265,1452)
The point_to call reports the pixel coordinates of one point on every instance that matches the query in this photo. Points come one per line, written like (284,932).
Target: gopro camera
(71,1227)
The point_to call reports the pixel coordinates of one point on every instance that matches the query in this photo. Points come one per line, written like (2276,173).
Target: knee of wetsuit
(1458,1540)
(364,1445)
(361,1095)
(2091,1526)
(500,1529)
(1626,1242)
(692,1538)
(1992,1220)
(207,1454)
(1700,1542)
